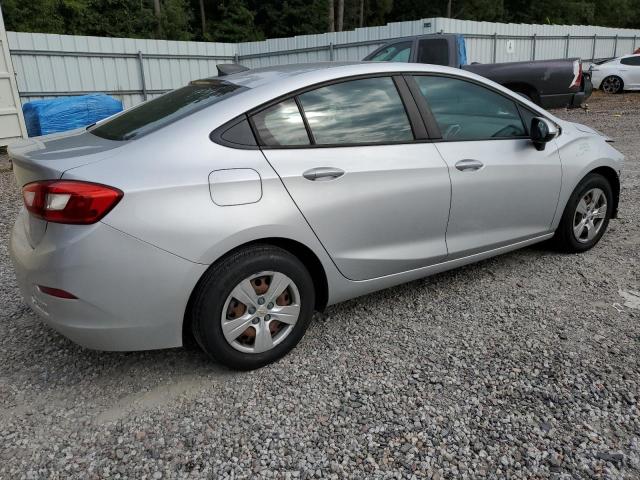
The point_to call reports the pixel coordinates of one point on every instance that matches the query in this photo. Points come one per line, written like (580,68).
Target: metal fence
(564,46)
(134,70)
(130,69)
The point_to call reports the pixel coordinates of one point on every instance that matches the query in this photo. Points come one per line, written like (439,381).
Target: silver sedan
(232,208)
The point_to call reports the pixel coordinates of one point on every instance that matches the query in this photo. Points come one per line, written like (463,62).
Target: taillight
(577,74)
(69,201)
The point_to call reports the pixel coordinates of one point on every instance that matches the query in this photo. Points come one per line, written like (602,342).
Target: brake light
(69,201)
(577,74)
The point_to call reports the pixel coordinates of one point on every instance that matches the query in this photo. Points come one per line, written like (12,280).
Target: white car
(617,74)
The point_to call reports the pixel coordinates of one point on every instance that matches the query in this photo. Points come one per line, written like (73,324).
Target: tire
(612,84)
(565,237)
(240,271)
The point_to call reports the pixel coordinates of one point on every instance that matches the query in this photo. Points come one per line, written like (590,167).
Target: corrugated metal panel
(519,48)
(546,48)
(51,65)
(278,51)
(12,125)
(48,65)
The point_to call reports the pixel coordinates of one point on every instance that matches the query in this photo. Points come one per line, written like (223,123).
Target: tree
(242,20)
(175,20)
(234,22)
(481,10)
(158,12)
(618,13)
(287,18)
(562,13)
(33,16)
(203,18)
(332,17)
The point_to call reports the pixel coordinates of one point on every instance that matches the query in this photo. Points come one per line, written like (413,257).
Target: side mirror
(542,132)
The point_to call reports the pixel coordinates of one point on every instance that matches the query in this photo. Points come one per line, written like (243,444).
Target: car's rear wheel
(252,307)
(612,84)
(586,215)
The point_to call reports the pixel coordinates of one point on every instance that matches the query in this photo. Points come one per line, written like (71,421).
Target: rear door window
(368,110)
(433,51)
(281,125)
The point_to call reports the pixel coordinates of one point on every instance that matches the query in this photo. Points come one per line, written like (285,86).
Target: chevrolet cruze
(232,208)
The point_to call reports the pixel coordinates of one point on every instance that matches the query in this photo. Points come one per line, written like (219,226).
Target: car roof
(258,77)
(269,83)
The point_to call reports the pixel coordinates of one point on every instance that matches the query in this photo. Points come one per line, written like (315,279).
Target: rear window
(166,109)
(433,51)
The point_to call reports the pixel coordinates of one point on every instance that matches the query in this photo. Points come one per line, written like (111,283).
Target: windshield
(166,109)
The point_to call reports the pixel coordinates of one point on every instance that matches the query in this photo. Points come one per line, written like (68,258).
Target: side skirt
(344,289)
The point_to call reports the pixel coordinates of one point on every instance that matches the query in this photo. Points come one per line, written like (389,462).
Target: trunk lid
(47,158)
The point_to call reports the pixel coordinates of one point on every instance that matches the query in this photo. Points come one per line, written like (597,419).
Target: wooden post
(158,12)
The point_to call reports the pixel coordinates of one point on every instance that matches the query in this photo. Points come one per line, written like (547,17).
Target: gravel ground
(522,366)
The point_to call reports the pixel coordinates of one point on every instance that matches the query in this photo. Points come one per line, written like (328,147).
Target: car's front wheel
(252,307)
(586,215)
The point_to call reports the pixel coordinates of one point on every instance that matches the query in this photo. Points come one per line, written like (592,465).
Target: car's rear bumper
(563,100)
(130,295)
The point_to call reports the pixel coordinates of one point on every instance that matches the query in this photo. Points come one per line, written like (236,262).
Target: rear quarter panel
(167,201)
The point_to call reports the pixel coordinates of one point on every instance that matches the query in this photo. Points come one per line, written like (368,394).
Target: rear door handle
(323,173)
(469,165)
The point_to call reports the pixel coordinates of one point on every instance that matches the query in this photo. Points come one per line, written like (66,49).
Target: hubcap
(260,312)
(589,215)
(611,85)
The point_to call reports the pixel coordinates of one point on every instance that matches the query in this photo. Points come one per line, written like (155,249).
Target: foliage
(175,20)
(243,20)
(289,17)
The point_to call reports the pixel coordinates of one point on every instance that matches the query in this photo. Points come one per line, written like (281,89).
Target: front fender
(580,154)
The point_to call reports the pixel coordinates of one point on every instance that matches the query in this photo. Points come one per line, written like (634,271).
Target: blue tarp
(462,50)
(66,113)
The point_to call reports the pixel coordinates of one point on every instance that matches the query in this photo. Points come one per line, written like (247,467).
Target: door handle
(323,173)
(469,165)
